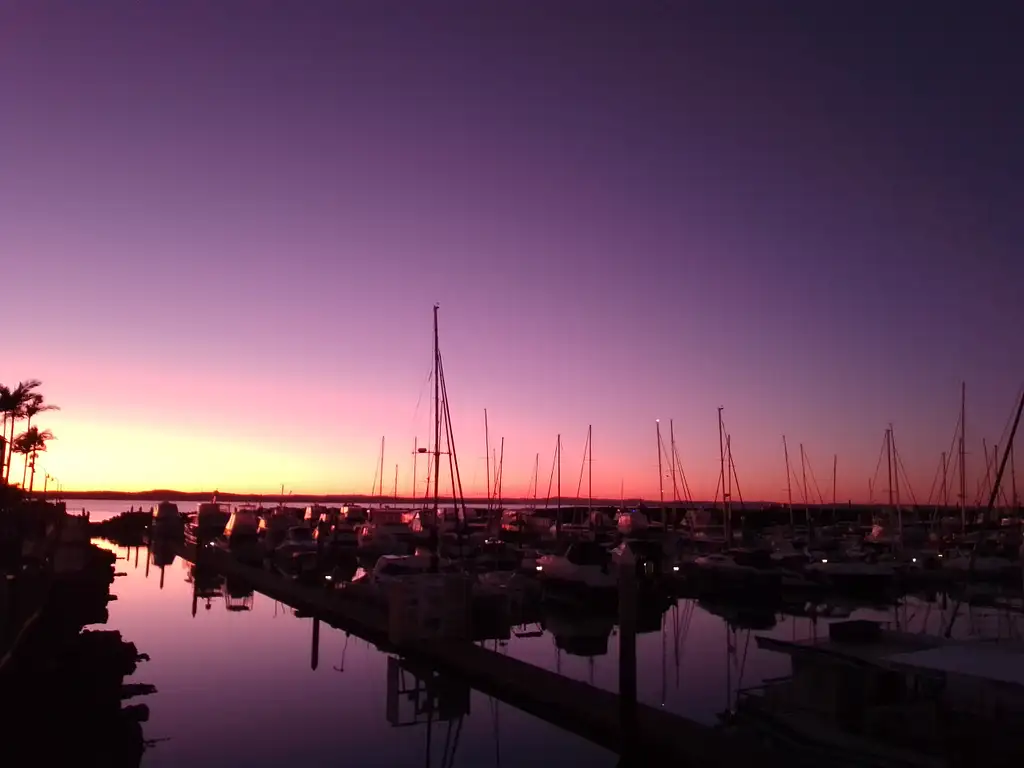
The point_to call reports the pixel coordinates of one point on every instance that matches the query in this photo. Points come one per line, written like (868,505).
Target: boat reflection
(238,595)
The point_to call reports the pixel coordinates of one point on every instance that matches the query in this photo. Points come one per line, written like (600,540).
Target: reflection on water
(242,680)
(244,687)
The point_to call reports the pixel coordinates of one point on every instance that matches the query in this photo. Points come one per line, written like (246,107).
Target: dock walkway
(572,705)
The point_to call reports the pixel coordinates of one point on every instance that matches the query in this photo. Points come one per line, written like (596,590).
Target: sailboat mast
(487,457)
(888,458)
(501,473)
(661,473)
(963,455)
(896,487)
(558,487)
(437,447)
(789,483)
(1013,479)
(672,444)
(945,484)
(672,458)
(803,476)
(395,490)
(380,478)
(536,476)
(835,465)
(590,471)
(415,461)
(726,522)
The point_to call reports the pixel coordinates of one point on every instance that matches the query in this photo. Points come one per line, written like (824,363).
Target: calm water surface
(239,687)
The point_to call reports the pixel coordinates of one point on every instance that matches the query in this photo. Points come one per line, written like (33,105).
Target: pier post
(627,654)
(314,654)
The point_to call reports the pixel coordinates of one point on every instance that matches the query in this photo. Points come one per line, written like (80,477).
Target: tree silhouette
(30,443)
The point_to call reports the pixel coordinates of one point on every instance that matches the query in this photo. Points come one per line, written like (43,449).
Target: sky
(223,227)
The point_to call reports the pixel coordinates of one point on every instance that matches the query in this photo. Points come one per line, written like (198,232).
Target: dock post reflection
(627,656)
(314,653)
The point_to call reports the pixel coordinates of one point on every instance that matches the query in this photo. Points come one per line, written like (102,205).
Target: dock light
(824,560)
(328,577)
(540,567)
(675,567)
(913,559)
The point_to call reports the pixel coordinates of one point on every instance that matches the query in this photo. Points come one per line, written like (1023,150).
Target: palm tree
(30,443)
(7,409)
(34,406)
(18,398)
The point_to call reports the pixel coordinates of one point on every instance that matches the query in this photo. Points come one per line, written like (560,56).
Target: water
(238,688)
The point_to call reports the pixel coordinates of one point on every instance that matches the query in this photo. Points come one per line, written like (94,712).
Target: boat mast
(415,461)
(558,487)
(590,473)
(501,474)
(835,464)
(536,477)
(661,474)
(487,458)
(945,485)
(675,485)
(963,456)
(803,476)
(437,447)
(894,457)
(1013,479)
(726,522)
(395,492)
(380,478)
(789,484)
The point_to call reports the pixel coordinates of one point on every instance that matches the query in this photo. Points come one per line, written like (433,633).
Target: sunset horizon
(656,213)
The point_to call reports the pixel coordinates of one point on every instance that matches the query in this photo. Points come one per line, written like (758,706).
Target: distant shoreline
(337,498)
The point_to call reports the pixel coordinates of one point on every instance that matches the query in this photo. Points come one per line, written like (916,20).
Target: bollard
(627,653)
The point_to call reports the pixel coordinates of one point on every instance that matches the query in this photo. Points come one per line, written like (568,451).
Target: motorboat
(274,527)
(167,521)
(241,535)
(738,569)
(208,520)
(296,555)
(586,566)
(853,574)
(384,533)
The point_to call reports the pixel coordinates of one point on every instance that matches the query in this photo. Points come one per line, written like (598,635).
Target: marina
(511,385)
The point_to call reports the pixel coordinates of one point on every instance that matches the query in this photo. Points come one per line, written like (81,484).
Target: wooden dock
(572,705)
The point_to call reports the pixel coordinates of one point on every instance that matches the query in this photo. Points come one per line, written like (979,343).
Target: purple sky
(223,226)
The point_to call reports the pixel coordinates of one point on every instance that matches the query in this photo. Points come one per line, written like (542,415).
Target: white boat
(167,521)
(384,534)
(853,574)
(631,521)
(209,519)
(585,566)
(392,569)
(730,571)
